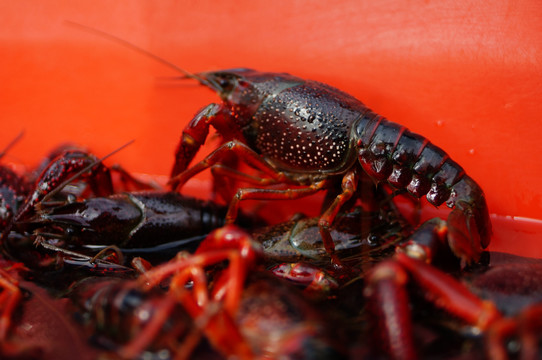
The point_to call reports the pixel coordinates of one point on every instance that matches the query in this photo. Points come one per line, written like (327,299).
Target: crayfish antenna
(186,74)
(11,144)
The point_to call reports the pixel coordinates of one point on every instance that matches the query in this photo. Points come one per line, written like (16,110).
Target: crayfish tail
(463,235)
(469,225)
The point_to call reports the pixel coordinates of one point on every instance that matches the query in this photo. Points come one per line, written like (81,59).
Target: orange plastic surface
(465,74)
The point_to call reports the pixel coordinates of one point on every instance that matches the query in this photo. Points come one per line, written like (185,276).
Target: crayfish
(307,135)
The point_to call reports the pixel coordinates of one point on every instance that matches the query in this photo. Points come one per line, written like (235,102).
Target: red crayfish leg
(234,238)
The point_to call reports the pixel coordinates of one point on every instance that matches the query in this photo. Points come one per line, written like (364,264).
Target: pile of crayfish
(98,264)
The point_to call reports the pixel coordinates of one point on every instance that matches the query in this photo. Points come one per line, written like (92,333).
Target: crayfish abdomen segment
(389,152)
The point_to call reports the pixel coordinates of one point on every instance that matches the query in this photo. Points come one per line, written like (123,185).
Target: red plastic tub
(467,75)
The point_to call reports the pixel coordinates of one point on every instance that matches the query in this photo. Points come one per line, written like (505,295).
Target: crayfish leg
(386,292)
(129,182)
(429,243)
(349,185)
(9,299)
(244,152)
(213,311)
(388,301)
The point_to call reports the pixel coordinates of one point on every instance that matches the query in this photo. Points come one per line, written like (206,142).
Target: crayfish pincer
(305,135)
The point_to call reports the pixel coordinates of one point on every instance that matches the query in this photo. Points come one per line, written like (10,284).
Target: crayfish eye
(224,83)
(228,82)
